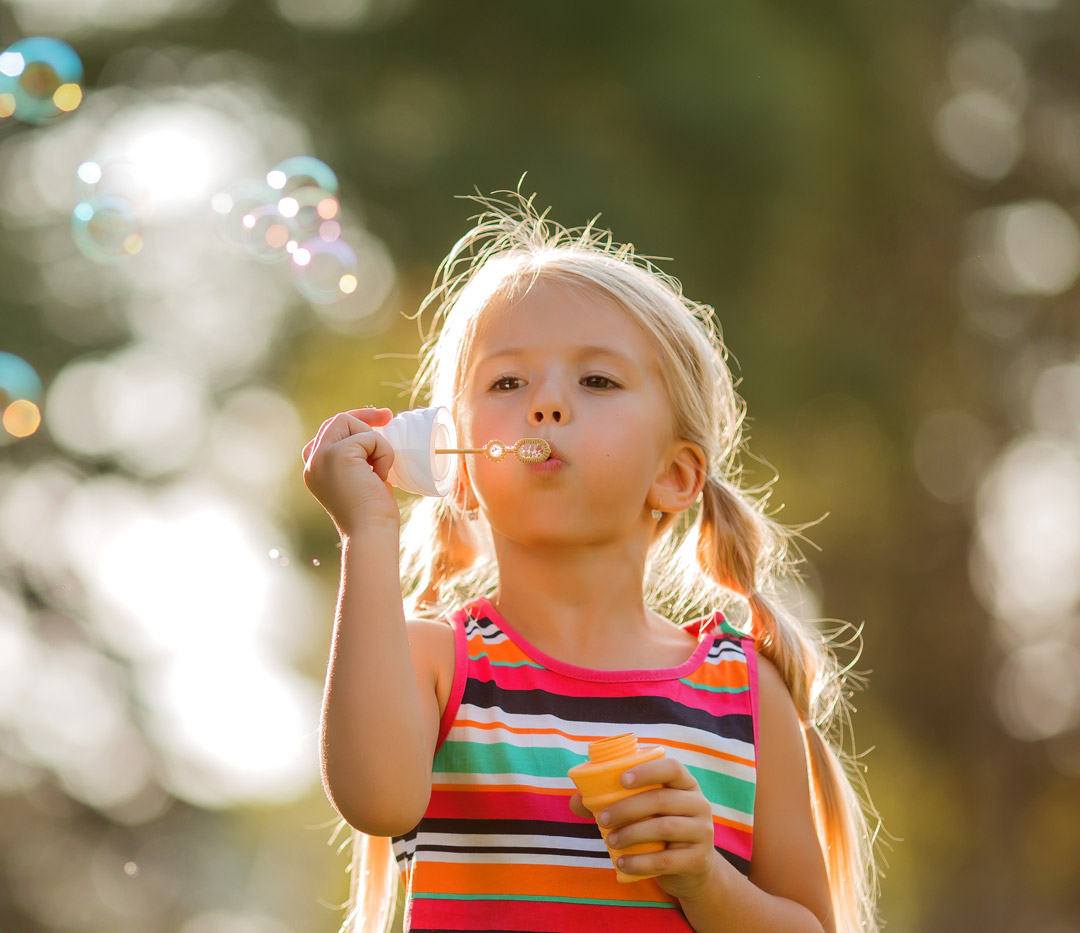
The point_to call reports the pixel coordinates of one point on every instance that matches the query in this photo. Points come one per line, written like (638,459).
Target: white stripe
(499,840)
(662,733)
(498,780)
(512,858)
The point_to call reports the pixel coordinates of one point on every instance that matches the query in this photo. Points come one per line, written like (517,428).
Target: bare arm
(787,891)
(788,887)
(380,709)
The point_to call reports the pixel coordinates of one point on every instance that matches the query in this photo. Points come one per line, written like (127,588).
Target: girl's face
(570,366)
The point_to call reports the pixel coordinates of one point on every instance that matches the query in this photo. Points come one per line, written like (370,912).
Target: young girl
(543,611)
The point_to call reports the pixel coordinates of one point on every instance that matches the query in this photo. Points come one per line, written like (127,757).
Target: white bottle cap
(415,436)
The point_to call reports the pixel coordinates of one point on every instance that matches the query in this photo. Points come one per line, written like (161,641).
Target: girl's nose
(546,413)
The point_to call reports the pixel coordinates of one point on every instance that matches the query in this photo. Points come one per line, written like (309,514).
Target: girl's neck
(585,607)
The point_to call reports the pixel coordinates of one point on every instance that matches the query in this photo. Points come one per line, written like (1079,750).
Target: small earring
(656,513)
(472,514)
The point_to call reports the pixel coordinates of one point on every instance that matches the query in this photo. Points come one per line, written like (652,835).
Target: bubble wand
(526,450)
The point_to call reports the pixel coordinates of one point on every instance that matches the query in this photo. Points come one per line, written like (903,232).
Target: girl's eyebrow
(587,351)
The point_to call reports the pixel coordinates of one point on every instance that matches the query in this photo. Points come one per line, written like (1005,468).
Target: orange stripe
(534,880)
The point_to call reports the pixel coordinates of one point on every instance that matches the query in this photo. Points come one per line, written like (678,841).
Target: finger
(578,807)
(669,771)
(674,860)
(667,828)
(314,442)
(656,802)
(373,415)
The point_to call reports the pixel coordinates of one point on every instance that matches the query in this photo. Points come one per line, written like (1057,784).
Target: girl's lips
(551,465)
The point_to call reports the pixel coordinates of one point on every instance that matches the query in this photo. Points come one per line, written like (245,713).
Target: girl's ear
(676,488)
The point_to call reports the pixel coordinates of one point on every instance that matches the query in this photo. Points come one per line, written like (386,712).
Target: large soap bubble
(106,227)
(324,272)
(40,80)
(20,393)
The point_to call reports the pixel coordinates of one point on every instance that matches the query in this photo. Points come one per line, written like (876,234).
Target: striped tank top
(499,847)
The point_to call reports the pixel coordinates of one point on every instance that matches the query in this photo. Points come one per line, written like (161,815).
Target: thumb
(578,807)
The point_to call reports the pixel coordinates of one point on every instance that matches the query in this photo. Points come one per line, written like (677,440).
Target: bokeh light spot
(21,418)
(67,97)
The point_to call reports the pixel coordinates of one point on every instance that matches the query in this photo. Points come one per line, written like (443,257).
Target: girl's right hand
(345,468)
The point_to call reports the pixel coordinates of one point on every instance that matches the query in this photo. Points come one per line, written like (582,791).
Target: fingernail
(621,862)
(628,778)
(603,817)
(613,840)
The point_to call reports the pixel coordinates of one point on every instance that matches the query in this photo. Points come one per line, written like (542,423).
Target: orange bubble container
(598,781)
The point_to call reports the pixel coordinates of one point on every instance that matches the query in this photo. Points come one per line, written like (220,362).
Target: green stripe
(484,654)
(728,629)
(690,683)
(457,757)
(541,898)
(730,791)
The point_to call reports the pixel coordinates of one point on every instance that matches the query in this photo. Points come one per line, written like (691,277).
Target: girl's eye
(599,382)
(505,383)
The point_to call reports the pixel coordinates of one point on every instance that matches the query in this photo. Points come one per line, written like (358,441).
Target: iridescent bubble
(106,228)
(324,272)
(40,80)
(302,172)
(20,393)
(266,233)
(117,177)
(305,192)
(234,204)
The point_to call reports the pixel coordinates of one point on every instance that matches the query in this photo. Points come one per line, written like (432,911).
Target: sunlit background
(214,215)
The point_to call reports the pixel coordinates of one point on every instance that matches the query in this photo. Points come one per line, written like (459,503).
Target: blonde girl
(552,604)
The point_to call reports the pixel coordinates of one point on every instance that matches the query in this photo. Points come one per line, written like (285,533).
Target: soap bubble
(40,80)
(305,192)
(116,177)
(302,172)
(324,272)
(233,204)
(267,234)
(106,228)
(20,392)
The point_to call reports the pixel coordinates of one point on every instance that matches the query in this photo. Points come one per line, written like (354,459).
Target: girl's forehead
(555,312)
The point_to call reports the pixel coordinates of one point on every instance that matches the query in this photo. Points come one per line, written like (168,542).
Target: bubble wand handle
(526,450)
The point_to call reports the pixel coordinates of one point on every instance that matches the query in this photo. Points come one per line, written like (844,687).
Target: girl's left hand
(676,813)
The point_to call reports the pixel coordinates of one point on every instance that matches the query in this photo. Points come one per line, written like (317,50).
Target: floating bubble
(302,172)
(20,392)
(235,203)
(266,233)
(106,228)
(325,272)
(119,178)
(40,80)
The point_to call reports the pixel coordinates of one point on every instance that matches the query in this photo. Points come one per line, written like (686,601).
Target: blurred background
(880,200)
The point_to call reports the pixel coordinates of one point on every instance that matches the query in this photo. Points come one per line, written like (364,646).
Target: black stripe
(466,827)
(631,710)
(530,850)
(743,865)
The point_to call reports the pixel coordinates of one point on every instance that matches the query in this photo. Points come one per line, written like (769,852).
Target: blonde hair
(725,551)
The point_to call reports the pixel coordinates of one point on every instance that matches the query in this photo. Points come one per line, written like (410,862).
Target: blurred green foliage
(781,154)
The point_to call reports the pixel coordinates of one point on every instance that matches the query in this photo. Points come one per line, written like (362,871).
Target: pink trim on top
(750,651)
(587,673)
(461,673)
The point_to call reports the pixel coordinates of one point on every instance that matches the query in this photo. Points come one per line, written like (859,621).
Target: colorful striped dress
(499,847)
